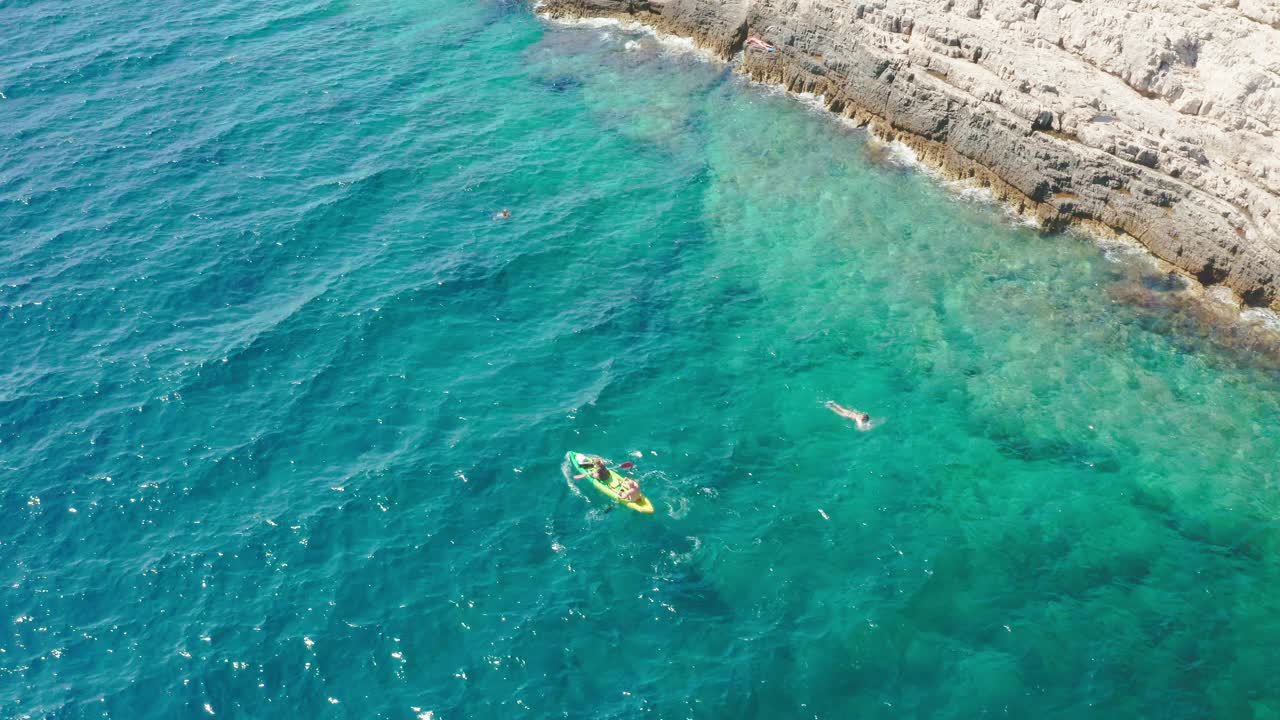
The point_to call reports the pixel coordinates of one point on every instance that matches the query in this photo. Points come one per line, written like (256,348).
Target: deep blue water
(283,408)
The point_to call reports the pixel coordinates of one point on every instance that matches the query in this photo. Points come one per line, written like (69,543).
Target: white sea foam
(677,507)
(814,102)
(567,470)
(673,43)
(695,544)
(1121,249)
(971,191)
(966,190)
(906,156)
(1222,294)
(1264,318)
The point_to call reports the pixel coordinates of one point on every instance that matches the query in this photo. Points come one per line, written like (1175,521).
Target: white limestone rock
(1159,118)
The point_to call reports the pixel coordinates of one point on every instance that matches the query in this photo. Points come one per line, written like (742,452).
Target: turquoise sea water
(283,409)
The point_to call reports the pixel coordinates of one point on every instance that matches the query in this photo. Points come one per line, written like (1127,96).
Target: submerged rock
(1155,120)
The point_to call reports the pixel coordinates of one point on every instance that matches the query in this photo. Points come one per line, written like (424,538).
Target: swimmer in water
(861,419)
(502,215)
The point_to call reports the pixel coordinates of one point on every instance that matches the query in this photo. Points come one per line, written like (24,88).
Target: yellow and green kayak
(611,489)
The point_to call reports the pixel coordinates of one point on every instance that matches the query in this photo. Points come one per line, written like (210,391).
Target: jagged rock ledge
(1151,120)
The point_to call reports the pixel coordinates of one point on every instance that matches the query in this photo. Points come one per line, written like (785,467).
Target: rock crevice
(1153,118)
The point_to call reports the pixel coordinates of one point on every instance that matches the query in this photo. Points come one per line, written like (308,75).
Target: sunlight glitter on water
(309,397)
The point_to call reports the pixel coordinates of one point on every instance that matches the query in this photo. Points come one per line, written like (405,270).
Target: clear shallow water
(282,409)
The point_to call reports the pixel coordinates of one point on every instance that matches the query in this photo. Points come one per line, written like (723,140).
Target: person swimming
(861,419)
(502,215)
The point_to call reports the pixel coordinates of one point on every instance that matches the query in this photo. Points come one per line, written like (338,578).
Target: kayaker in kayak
(861,419)
(601,472)
(629,490)
(607,480)
(596,468)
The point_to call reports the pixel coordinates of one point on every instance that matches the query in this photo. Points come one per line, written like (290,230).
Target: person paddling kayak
(629,490)
(598,468)
(861,419)
(618,487)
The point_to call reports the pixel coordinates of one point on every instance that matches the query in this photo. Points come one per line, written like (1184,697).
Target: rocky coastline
(1154,120)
